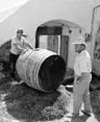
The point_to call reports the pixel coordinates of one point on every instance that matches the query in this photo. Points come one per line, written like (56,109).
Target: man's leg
(86,96)
(77,98)
(11,62)
(86,101)
(15,60)
(78,91)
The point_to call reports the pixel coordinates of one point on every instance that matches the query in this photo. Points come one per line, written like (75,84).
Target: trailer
(58,36)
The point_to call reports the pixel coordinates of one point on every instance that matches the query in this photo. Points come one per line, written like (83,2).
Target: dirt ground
(19,103)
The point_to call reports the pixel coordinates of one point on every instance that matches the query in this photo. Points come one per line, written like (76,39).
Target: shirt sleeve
(25,43)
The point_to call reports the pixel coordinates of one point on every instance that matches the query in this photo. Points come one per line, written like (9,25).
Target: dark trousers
(12,61)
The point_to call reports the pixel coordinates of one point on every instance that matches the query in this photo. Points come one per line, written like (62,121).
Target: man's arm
(29,46)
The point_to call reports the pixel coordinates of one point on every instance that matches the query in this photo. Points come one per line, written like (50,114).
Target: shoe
(21,82)
(88,113)
(72,115)
(16,82)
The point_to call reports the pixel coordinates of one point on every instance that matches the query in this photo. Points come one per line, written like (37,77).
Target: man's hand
(79,78)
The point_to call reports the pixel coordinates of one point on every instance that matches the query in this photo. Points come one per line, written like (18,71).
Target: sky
(8,4)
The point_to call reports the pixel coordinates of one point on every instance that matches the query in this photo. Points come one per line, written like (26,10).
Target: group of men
(82,70)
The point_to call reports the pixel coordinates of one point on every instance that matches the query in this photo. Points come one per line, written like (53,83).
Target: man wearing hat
(18,44)
(82,70)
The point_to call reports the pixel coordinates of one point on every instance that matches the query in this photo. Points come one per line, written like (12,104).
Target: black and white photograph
(49,60)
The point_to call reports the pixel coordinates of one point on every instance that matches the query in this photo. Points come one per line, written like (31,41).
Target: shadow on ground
(82,118)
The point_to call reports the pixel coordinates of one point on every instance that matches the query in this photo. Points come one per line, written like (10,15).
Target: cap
(20,31)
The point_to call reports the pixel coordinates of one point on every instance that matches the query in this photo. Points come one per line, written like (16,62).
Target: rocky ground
(19,103)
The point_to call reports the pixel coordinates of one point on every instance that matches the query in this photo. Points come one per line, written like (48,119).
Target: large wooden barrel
(41,69)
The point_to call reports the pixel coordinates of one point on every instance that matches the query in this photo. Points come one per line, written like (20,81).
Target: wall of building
(35,12)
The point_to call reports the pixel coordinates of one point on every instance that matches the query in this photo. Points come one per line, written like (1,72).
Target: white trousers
(81,93)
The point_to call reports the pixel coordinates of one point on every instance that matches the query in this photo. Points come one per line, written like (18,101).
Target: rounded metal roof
(60,23)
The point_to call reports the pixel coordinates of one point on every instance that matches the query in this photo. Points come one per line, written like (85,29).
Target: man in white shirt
(18,44)
(82,69)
